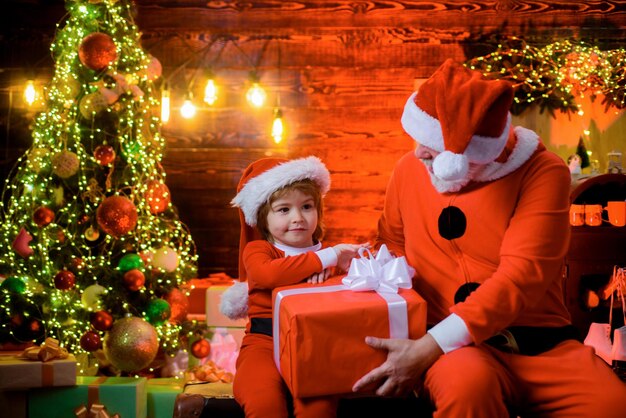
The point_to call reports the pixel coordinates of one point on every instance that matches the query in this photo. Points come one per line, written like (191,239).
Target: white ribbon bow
(383,273)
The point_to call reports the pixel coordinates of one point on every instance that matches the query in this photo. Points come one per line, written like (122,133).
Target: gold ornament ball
(91,296)
(92,234)
(65,164)
(116,216)
(38,158)
(92,104)
(131,344)
(97,51)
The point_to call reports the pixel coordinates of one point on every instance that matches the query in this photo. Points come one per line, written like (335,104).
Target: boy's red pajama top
(258,386)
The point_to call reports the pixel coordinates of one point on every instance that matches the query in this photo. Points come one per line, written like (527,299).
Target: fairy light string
(555,75)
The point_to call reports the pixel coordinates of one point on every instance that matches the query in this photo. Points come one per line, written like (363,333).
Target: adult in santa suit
(480,210)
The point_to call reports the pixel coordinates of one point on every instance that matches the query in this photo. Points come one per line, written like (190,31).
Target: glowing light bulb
(256,95)
(188,109)
(277,126)
(210,92)
(30,94)
(165,105)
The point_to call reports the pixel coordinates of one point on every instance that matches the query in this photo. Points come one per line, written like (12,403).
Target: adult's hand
(407,360)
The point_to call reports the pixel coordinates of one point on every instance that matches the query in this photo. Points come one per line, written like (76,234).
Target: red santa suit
(506,232)
(258,386)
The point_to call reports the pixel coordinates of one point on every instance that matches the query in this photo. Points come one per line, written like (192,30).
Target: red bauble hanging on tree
(97,51)
(158,196)
(134,279)
(104,154)
(64,280)
(43,216)
(117,216)
(179,305)
(90,341)
(201,348)
(101,320)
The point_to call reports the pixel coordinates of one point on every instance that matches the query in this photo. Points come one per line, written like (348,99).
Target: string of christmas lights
(553,76)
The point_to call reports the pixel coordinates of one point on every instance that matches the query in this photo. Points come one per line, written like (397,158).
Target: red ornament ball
(78,263)
(201,348)
(134,279)
(101,320)
(104,154)
(158,196)
(64,280)
(90,341)
(43,216)
(97,51)
(117,216)
(179,305)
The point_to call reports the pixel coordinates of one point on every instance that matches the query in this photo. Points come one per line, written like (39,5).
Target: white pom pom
(234,301)
(450,166)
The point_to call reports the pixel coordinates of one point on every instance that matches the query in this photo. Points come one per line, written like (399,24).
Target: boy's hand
(346,252)
(319,277)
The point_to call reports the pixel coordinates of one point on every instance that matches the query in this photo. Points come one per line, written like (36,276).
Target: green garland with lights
(552,76)
(65,246)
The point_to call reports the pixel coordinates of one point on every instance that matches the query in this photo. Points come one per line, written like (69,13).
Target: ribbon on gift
(383,274)
(49,350)
(94,409)
(224,350)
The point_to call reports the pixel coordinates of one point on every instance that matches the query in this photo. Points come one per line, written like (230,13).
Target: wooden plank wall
(342,69)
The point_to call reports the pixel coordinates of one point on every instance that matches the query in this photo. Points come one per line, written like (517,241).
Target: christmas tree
(92,252)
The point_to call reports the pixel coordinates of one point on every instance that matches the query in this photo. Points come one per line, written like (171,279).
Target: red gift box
(321,347)
(204,300)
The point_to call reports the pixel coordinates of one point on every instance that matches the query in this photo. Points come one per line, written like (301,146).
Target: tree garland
(553,76)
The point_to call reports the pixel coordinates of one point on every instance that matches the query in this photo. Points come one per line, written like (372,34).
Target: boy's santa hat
(267,175)
(462,115)
(259,181)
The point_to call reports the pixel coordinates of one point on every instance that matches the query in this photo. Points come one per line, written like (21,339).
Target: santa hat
(258,182)
(462,115)
(267,175)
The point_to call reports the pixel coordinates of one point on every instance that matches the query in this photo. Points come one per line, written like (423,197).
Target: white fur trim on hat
(527,143)
(258,189)
(426,130)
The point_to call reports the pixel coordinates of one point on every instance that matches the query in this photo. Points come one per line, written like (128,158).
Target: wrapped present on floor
(162,394)
(225,344)
(320,347)
(209,372)
(204,301)
(37,366)
(124,396)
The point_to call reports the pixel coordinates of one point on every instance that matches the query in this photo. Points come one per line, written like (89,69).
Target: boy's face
(292,219)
